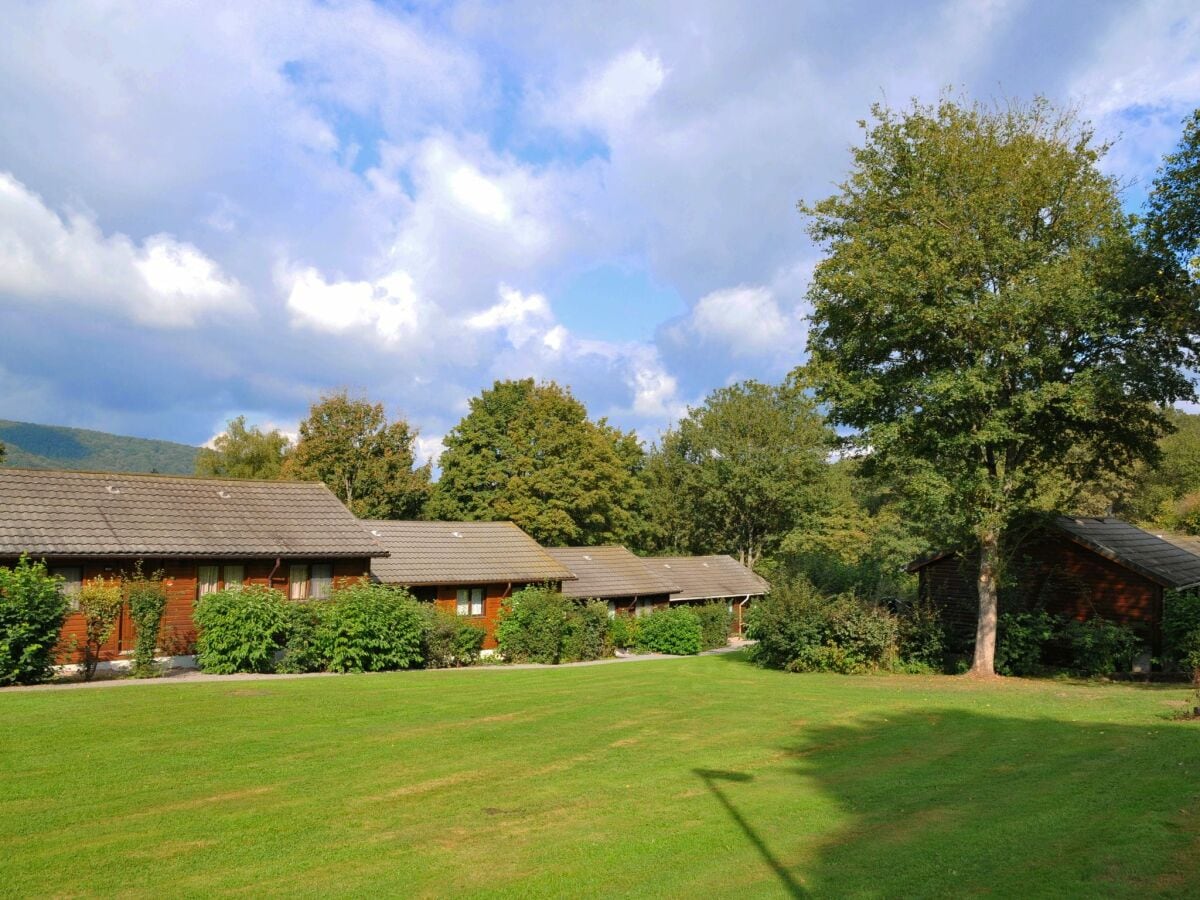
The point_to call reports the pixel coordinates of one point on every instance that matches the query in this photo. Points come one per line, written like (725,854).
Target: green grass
(675,778)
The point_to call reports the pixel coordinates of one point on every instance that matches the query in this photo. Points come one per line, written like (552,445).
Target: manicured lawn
(675,778)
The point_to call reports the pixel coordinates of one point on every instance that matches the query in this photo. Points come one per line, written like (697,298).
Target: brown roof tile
(605,572)
(48,513)
(709,577)
(428,553)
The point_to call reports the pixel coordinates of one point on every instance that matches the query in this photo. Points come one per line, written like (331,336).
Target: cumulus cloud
(612,97)
(388,307)
(522,316)
(49,259)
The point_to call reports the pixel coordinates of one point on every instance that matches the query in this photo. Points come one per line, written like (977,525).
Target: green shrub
(922,637)
(302,651)
(241,629)
(100,604)
(622,632)
(1098,647)
(540,625)
(800,630)
(32,610)
(1181,631)
(147,599)
(449,640)
(370,628)
(674,630)
(1021,641)
(714,621)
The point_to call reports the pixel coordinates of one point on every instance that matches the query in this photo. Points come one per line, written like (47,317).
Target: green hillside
(56,447)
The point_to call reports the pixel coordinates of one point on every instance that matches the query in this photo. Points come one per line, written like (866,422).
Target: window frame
(69,588)
(465,597)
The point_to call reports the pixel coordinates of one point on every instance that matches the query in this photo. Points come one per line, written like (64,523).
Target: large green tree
(242,452)
(986,320)
(527,452)
(1173,210)
(367,461)
(740,471)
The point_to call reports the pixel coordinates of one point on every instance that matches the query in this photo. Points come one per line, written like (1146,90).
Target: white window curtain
(470,601)
(321,581)
(207,579)
(235,576)
(298,583)
(72,582)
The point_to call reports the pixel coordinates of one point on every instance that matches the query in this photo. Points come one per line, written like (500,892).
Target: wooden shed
(1078,567)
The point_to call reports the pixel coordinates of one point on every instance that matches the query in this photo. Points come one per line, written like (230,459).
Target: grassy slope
(664,778)
(57,447)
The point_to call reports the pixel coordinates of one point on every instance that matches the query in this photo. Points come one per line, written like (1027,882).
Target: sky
(220,209)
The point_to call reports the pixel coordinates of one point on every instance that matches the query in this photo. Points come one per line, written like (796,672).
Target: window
(644,608)
(612,609)
(298,583)
(207,579)
(320,581)
(72,582)
(234,576)
(470,601)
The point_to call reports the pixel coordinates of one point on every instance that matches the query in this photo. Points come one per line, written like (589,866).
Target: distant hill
(56,447)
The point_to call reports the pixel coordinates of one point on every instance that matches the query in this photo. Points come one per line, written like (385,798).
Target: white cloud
(745,321)
(388,307)
(48,259)
(522,316)
(611,98)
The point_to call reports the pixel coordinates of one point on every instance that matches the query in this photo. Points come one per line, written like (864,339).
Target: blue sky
(216,209)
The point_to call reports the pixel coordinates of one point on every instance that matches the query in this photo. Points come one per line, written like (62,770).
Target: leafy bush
(674,630)
(800,630)
(370,628)
(922,636)
(1098,647)
(241,629)
(302,651)
(1021,640)
(100,604)
(538,624)
(714,621)
(622,632)
(147,598)
(32,609)
(449,640)
(1181,631)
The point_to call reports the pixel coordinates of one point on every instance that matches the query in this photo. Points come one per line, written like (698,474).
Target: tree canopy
(740,471)
(367,461)
(1173,213)
(242,452)
(986,320)
(527,452)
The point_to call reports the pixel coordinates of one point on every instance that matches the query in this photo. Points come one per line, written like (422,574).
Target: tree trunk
(985,630)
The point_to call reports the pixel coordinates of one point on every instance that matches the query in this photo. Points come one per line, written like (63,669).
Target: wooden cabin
(1079,567)
(625,582)
(705,579)
(202,534)
(466,568)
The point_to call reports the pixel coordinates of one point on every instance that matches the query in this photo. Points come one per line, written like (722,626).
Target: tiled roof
(705,577)
(1171,560)
(47,513)
(427,553)
(605,572)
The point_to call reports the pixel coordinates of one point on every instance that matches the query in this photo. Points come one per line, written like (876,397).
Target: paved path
(195,676)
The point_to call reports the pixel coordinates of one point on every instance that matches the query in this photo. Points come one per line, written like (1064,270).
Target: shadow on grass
(955,801)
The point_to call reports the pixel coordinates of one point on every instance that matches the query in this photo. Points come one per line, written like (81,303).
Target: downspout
(271,577)
(742,606)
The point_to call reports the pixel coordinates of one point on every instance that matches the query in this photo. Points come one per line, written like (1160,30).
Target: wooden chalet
(1079,567)
(466,568)
(203,534)
(625,582)
(704,579)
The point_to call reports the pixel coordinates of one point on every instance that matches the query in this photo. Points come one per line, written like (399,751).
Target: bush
(1021,640)
(622,632)
(147,598)
(370,628)
(922,637)
(1098,647)
(674,630)
(714,621)
(241,629)
(1181,631)
(449,640)
(100,604)
(302,651)
(799,630)
(540,625)
(32,610)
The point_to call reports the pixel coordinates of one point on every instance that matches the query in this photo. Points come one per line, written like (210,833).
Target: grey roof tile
(604,572)
(1169,560)
(709,577)
(49,513)
(431,553)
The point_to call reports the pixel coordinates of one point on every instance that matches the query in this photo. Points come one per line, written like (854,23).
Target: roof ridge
(158,476)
